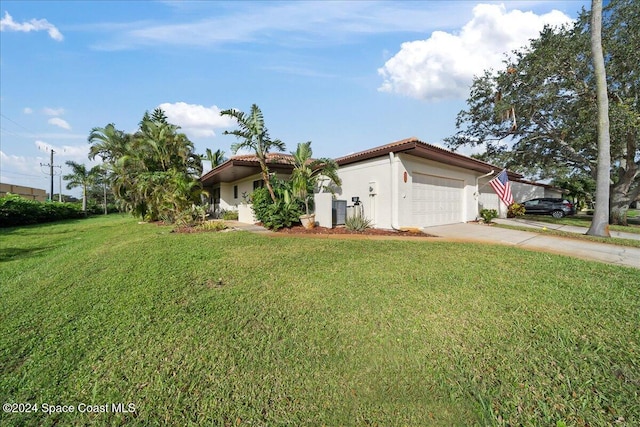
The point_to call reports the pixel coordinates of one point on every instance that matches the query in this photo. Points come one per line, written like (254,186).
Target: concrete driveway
(604,252)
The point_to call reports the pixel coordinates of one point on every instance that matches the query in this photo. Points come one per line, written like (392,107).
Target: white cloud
(196,120)
(77,153)
(443,65)
(53,111)
(57,121)
(27,110)
(8,24)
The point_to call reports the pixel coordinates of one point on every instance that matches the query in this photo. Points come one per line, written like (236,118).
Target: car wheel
(557,214)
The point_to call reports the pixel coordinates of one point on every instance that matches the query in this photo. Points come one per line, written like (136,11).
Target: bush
(212,226)
(15,210)
(274,216)
(488,215)
(230,215)
(357,222)
(515,210)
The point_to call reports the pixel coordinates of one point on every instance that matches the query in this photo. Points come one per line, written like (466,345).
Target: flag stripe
(502,187)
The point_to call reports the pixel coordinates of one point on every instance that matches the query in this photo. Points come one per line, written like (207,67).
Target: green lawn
(244,329)
(585,221)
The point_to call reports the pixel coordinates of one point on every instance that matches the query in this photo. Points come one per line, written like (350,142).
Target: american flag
(502,187)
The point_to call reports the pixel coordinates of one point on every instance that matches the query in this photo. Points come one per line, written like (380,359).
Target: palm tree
(309,173)
(254,136)
(108,143)
(81,177)
(216,158)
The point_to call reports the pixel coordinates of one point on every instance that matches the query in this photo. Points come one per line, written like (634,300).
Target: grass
(585,221)
(609,240)
(244,329)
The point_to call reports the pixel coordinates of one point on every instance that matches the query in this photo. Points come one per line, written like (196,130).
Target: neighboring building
(405,184)
(26,192)
(521,189)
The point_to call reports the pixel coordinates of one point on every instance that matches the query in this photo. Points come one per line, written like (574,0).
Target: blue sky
(346,75)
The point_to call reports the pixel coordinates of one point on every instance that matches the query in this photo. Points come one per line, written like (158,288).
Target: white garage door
(436,200)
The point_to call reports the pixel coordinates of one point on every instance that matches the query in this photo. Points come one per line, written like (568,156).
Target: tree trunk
(600,222)
(267,181)
(627,186)
(84,199)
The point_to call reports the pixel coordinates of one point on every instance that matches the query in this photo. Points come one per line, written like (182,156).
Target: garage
(436,200)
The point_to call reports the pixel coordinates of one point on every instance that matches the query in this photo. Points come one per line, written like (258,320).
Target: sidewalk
(603,252)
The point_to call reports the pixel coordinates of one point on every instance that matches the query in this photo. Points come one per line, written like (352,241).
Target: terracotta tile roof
(282,158)
(421,149)
(376,151)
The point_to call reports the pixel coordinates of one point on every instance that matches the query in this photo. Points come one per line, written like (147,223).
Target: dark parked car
(557,208)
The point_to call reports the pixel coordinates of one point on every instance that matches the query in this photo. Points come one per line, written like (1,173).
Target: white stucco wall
(355,182)
(522,192)
(356,179)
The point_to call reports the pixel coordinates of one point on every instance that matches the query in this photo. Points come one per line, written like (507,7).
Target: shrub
(230,215)
(283,213)
(488,215)
(357,222)
(212,226)
(515,210)
(15,210)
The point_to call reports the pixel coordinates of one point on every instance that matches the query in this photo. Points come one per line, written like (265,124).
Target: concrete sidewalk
(604,252)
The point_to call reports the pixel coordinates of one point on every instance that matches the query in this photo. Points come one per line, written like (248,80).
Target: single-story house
(231,183)
(405,184)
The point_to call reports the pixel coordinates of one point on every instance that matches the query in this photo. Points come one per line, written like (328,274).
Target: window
(235,191)
(258,184)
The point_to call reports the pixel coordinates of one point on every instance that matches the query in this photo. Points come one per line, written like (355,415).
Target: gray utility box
(338,212)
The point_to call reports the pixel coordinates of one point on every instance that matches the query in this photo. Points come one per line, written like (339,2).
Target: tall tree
(600,223)
(216,158)
(108,143)
(538,113)
(81,177)
(254,136)
(154,172)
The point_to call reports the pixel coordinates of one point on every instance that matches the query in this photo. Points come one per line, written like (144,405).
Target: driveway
(604,252)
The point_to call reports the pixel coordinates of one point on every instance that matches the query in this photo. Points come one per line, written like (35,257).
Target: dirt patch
(344,231)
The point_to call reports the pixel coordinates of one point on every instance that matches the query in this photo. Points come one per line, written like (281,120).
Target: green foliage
(254,136)
(81,177)
(153,173)
(357,222)
(216,158)
(488,215)
(212,226)
(15,210)
(282,213)
(515,210)
(537,115)
(230,215)
(309,175)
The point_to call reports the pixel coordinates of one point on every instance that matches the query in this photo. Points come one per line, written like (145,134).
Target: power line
(20,173)
(15,123)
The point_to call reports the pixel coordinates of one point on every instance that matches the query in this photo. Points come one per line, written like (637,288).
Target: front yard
(243,329)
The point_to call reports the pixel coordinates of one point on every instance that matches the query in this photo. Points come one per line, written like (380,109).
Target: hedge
(15,210)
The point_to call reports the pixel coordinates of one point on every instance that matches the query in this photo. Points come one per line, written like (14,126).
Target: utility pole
(50,165)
